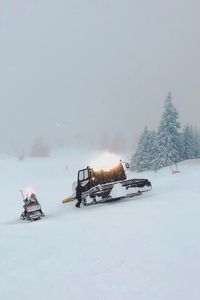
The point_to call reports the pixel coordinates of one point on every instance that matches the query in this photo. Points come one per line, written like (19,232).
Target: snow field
(143,248)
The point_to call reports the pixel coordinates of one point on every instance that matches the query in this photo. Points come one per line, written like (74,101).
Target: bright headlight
(105,162)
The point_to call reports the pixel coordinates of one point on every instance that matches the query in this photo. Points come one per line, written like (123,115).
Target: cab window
(83,175)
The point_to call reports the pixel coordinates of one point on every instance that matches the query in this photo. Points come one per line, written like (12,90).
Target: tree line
(168,145)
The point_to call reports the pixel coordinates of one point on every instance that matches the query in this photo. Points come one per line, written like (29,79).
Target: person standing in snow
(79,190)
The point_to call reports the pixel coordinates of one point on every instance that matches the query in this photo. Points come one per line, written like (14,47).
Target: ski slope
(145,248)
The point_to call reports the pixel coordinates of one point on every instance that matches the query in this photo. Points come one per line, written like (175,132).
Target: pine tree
(152,148)
(141,161)
(133,162)
(197,143)
(167,145)
(188,143)
(191,143)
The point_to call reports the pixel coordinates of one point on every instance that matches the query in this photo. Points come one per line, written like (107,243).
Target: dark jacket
(79,190)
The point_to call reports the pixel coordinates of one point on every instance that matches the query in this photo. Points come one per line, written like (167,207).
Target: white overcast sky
(76,68)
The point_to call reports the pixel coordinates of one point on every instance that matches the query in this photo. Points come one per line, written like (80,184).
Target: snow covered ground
(145,248)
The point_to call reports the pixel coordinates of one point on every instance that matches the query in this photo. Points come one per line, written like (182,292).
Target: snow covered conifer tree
(168,138)
(133,162)
(191,143)
(197,142)
(152,148)
(188,143)
(141,161)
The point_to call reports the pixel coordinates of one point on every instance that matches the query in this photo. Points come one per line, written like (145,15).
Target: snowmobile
(32,209)
(106,186)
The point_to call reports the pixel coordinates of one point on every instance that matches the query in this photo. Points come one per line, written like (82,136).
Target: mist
(80,72)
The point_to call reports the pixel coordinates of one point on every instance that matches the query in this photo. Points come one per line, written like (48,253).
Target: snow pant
(78,204)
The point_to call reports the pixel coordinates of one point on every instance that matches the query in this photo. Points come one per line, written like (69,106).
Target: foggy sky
(81,68)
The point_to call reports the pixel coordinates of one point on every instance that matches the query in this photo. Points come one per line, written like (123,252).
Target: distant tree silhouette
(39,148)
